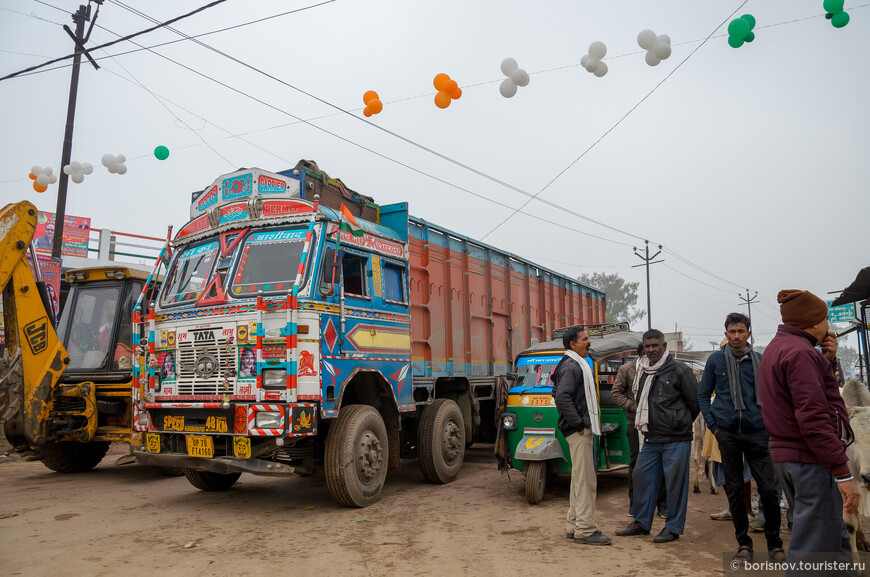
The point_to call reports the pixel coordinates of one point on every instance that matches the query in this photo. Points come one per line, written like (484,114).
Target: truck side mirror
(330,273)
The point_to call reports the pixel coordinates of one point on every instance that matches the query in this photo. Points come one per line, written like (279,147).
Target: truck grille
(189,353)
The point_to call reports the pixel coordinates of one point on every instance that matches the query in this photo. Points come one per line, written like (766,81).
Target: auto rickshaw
(528,419)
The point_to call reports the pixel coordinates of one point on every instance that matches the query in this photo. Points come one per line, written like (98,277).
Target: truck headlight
(267,420)
(509,421)
(275,379)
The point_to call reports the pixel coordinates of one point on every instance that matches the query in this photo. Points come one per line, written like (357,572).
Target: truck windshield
(188,274)
(269,262)
(88,327)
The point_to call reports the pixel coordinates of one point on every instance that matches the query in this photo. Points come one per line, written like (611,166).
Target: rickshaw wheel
(536,481)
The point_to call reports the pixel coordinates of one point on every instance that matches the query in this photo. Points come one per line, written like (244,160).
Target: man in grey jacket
(577,402)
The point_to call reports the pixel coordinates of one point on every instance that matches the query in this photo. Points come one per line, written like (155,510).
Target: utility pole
(82,15)
(748,301)
(647,260)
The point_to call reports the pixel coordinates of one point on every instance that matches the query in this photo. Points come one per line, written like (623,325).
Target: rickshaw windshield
(536,371)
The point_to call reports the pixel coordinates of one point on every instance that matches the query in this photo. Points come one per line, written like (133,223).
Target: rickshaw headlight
(509,421)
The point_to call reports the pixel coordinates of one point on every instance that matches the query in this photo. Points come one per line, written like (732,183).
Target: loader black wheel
(15,437)
(72,457)
(208,481)
(536,481)
(441,441)
(356,456)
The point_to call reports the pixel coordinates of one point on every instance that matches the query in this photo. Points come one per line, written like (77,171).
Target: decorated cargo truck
(301,328)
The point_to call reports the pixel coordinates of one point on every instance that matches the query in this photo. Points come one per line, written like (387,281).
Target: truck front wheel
(441,441)
(208,481)
(536,481)
(73,457)
(356,456)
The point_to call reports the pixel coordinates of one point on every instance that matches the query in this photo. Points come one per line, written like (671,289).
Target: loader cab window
(353,271)
(88,326)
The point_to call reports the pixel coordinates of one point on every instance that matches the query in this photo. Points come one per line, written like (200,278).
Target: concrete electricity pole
(648,260)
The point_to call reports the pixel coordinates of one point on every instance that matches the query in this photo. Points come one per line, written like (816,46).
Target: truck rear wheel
(441,441)
(72,457)
(536,481)
(356,456)
(208,481)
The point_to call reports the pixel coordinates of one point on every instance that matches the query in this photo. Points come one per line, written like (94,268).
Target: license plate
(152,442)
(200,446)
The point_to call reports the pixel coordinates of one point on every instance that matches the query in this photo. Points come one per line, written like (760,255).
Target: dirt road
(131,521)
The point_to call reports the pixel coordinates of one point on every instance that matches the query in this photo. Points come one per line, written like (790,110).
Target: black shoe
(569,536)
(631,530)
(596,538)
(666,536)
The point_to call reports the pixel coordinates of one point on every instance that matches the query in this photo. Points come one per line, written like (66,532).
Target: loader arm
(35,356)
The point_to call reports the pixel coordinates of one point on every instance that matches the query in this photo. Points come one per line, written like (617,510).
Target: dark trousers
(754,448)
(633,450)
(818,514)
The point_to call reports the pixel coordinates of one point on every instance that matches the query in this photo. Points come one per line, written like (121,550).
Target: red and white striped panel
(252,416)
(136,426)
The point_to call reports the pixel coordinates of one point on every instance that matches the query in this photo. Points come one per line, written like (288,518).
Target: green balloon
(738,27)
(750,19)
(833,6)
(840,19)
(161,152)
(735,41)
(750,36)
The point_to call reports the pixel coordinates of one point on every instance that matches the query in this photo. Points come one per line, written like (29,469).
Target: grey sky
(750,162)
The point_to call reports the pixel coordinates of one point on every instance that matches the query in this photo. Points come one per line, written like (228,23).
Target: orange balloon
(367,112)
(371,94)
(376,105)
(32,176)
(450,86)
(39,188)
(456,93)
(439,81)
(442,100)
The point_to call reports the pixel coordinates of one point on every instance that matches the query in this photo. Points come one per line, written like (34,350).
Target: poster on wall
(49,271)
(76,231)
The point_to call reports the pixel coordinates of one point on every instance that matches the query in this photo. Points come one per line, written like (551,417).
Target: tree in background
(848,360)
(621,296)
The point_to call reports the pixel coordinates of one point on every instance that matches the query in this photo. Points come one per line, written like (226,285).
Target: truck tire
(72,457)
(536,481)
(208,481)
(356,456)
(441,441)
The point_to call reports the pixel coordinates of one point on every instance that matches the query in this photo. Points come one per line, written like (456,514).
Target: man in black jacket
(667,404)
(577,402)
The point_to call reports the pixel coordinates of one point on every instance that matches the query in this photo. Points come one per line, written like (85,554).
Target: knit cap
(801,309)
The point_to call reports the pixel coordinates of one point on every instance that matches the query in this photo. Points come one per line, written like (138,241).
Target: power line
(128,37)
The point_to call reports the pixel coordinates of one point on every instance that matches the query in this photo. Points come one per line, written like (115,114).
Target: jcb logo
(203,336)
(36,334)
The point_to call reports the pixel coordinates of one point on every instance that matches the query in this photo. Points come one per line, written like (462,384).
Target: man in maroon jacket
(809,427)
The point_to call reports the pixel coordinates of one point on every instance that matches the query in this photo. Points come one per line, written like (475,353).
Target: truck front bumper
(215,464)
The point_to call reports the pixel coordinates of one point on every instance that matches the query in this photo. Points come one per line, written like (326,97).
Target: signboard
(76,231)
(840,314)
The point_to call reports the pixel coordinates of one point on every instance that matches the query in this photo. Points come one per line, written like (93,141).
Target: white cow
(857,399)
(699,431)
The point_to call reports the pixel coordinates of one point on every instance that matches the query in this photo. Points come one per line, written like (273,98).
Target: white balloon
(507,88)
(87,168)
(78,178)
(67,169)
(652,59)
(47,170)
(591,65)
(52,179)
(508,65)
(601,70)
(520,77)
(121,169)
(108,159)
(662,50)
(120,158)
(75,166)
(664,38)
(597,50)
(582,61)
(646,39)
(36,169)
(42,180)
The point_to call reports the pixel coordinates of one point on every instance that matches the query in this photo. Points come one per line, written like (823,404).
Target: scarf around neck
(731,358)
(641,419)
(589,389)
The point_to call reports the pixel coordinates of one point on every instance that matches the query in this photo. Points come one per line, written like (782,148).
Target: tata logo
(36,334)
(206,366)
(200,336)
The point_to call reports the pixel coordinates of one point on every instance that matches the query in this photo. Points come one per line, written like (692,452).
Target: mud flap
(539,445)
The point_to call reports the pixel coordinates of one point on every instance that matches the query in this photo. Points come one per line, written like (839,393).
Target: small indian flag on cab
(349,223)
